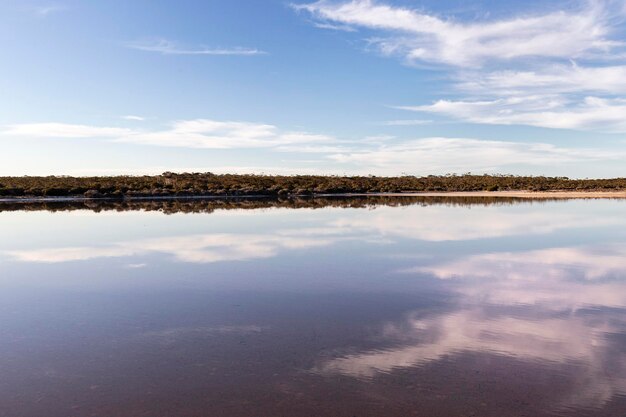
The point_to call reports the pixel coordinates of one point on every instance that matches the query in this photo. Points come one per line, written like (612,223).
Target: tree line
(171,184)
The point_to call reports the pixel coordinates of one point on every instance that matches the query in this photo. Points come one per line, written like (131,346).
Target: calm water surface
(426,309)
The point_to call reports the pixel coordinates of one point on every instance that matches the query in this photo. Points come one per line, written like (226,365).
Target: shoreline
(521,194)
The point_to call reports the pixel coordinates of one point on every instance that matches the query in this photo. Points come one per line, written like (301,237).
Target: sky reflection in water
(335,310)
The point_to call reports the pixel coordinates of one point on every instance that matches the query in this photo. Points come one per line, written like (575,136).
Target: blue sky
(381,87)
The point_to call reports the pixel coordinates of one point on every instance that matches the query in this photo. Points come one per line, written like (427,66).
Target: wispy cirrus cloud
(420,36)
(555,79)
(45,10)
(563,96)
(518,70)
(166,47)
(134,118)
(549,111)
(330,26)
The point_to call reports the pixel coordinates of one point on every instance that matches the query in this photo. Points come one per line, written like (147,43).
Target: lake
(337,307)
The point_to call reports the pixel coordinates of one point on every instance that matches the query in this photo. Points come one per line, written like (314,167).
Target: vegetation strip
(207,184)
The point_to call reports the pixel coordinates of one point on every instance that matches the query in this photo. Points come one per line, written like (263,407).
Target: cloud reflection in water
(193,249)
(555,307)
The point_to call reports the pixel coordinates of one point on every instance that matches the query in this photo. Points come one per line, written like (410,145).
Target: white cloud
(198,133)
(134,118)
(166,47)
(518,70)
(330,26)
(446,155)
(370,155)
(418,36)
(555,79)
(592,113)
(212,134)
(552,97)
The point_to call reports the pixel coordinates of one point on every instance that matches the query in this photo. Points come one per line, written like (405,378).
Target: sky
(354,87)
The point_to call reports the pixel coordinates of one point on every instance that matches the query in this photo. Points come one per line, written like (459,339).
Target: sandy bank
(520,194)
